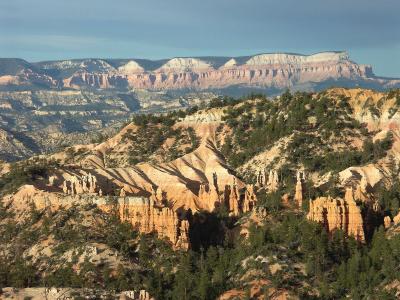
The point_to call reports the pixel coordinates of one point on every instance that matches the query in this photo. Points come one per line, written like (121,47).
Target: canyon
(222,187)
(83,100)
(335,214)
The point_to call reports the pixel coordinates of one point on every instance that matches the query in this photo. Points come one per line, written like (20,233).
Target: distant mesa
(283,58)
(268,72)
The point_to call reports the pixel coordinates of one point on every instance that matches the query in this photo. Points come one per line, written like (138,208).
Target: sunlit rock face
(102,93)
(278,70)
(148,217)
(337,213)
(273,70)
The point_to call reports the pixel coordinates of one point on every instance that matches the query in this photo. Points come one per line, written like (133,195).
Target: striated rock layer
(274,70)
(278,70)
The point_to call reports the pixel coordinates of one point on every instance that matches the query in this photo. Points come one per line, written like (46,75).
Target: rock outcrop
(250,199)
(336,213)
(235,201)
(269,180)
(232,198)
(273,181)
(298,196)
(209,197)
(387,222)
(239,203)
(80,185)
(158,196)
(396,219)
(145,215)
(30,195)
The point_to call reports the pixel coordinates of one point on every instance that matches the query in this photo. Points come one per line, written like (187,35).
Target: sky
(38,30)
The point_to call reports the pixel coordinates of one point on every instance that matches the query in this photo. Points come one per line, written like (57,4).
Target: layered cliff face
(277,70)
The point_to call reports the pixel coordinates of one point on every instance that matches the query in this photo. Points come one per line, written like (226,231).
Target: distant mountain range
(267,72)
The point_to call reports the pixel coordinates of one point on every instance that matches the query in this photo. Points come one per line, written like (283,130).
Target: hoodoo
(336,213)
(298,197)
(147,217)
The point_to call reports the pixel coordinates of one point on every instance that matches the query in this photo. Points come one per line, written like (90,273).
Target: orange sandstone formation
(209,196)
(157,195)
(273,181)
(387,222)
(236,203)
(147,217)
(143,213)
(232,197)
(28,195)
(396,219)
(250,199)
(183,236)
(336,213)
(298,197)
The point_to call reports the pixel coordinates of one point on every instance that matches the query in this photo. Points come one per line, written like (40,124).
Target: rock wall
(147,217)
(268,70)
(143,213)
(277,70)
(336,213)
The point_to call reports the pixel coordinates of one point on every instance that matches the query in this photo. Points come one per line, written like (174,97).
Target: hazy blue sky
(57,29)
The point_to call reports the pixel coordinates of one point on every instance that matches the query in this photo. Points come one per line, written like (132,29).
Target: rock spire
(337,213)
